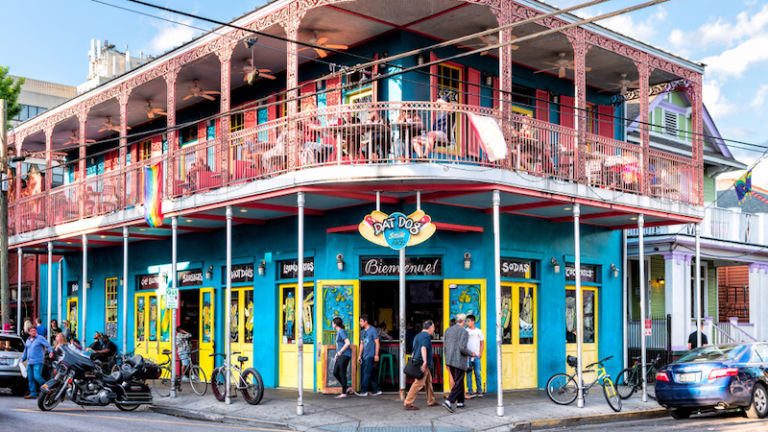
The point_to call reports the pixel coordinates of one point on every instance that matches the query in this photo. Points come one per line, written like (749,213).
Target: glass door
(288,356)
(206,345)
(241,324)
(518,349)
(337,298)
(589,339)
(465,296)
(72,314)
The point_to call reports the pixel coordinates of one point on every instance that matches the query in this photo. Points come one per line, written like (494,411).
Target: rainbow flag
(743,186)
(153,195)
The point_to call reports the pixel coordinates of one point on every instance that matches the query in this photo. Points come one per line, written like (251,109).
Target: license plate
(688,377)
(6,361)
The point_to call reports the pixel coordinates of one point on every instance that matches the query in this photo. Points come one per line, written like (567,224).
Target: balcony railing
(370,133)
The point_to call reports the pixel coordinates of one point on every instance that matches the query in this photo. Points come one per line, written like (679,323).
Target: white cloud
(735,61)
(723,32)
(642,30)
(717,104)
(170,35)
(759,99)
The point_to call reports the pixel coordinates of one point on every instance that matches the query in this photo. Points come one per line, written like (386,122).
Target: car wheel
(759,406)
(19,389)
(679,413)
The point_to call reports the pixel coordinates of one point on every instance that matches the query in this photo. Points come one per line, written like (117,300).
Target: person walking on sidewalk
(34,353)
(422,349)
(456,357)
(475,344)
(369,354)
(342,357)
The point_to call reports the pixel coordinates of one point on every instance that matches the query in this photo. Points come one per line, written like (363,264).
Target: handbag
(413,368)
(23,369)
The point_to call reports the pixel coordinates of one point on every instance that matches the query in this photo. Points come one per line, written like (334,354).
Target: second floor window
(145,149)
(236,122)
(188,134)
(449,79)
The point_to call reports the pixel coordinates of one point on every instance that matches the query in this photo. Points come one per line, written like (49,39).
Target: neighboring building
(38,96)
(106,62)
(732,242)
(276,154)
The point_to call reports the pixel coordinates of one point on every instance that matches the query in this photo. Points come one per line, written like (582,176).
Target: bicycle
(628,381)
(248,381)
(195,374)
(562,389)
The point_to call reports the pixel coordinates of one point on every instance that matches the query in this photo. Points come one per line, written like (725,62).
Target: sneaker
(184,379)
(479,394)
(341,396)
(363,394)
(460,405)
(377,393)
(447,405)
(470,393)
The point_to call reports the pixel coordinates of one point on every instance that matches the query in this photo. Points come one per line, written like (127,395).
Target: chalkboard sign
(110,329)
(330,384)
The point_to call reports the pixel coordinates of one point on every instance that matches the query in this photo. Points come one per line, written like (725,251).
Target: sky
(50,40)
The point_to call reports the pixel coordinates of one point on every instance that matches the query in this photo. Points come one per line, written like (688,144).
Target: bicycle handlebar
(222,354)
(600,362)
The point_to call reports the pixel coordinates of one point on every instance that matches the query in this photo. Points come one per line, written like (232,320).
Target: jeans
(340,372)
(366,376)
(475,365)
(35,377)
(457,391)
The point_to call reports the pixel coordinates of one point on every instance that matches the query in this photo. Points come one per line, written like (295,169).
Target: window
(523,96)
(145,149)
(588,305)
(591,123)
(188,134)
(670,123)
(449,82)
(111,303)
(703,292)
(236,122)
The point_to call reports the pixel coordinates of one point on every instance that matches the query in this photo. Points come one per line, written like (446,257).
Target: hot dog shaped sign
(397,230)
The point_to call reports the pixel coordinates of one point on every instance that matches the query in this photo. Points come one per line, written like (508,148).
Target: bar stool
(437,364)
(384,361)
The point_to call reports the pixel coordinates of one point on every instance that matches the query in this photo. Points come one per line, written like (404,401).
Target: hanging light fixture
(614,270)
(467,260)
(340,262)
(262,267)
(555,266)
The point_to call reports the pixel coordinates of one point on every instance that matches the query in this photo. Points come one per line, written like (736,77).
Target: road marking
(223,425)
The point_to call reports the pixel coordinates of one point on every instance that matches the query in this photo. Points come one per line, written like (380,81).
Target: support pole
(624,298)
(83,337)
(5,288)
(641,259)
(698,284)
(300,306)
(497,301)
(401,321)
(60,292)
(20,254)
(227,314)
(125,290)
(50,289)
(579,306)
(174,242)
(378,200)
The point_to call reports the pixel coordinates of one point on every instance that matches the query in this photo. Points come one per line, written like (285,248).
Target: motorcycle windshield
(76,358)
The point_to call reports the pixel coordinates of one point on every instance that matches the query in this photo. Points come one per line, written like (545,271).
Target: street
(23,415)
(727,422)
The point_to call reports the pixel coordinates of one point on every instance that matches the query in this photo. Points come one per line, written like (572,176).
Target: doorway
(519,329)
(289,353)
(589,327)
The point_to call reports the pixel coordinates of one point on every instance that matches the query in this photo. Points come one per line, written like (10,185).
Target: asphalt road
(726,422)
(18,414)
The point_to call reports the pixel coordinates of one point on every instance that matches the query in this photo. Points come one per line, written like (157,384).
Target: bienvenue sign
(396,230)
(390,266)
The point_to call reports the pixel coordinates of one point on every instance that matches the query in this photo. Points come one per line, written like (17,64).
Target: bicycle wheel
(219,383)
(197,380)
(625,383)
(561,388)
(162,385)
(611,395)
(251,386)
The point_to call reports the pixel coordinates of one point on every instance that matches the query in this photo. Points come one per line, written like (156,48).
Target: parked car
(11,350)
(716,377)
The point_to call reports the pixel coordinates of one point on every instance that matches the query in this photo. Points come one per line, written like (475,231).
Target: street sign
(171,298)
(647,328)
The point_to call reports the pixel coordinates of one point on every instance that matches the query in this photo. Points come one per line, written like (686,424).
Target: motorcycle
(78,378)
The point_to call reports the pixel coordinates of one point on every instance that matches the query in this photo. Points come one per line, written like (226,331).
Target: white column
(300,305)
(125,290)
(676,302)
(624,299)
(174,277)
(756,311)
(227,313)
(579,306)
(698,284)
(497,302)
(20,255)
(641,259)
(401,319)
(50,289)
(83,337)
(60,292)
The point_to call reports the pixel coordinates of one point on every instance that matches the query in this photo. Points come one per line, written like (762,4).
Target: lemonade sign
(397,230)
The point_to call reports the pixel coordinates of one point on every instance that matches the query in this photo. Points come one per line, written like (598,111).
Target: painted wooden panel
(605,121)
(473,89)
(542,105)
(566,111)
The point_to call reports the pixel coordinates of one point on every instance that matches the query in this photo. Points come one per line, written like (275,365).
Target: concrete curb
(218,418)
(588,419)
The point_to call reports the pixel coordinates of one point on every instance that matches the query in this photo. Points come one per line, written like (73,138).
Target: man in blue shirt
(34,353)
(369,354)
(422,350)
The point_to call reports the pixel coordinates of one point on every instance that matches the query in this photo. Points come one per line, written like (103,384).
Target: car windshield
(712,353)
(12,344)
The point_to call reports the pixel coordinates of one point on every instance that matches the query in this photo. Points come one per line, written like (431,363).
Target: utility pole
(5,292)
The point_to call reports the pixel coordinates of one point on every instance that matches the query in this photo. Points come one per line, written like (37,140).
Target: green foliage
(9,90)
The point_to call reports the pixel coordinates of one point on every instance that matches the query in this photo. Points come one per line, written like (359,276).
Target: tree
(9,90)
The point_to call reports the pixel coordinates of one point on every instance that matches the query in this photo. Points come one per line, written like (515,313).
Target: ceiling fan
(196,91)
(252,72)
(624,85)
(75,138)
(560,65)
(108,125)
(490,40)
(320,43)
(153,112)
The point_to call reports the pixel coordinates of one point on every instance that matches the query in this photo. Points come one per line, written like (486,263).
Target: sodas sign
(397,230)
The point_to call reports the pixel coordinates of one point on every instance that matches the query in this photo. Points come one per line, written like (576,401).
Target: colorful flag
(153,195)
(743,186)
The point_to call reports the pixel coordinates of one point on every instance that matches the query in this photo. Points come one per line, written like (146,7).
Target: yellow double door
(72,316)
(241,324)
(589,336)
(519,335)
(288,351)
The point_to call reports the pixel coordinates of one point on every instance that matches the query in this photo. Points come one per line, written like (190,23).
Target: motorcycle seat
(135,361)
(113,377)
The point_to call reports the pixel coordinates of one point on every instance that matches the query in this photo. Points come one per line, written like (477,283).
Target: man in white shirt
(475,344)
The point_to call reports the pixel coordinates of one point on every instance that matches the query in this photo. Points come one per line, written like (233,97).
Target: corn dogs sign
(397,230)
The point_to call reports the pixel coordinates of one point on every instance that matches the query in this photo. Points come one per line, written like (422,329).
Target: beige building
(37,96)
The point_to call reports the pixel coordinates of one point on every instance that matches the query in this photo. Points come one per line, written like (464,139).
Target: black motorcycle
(77,377)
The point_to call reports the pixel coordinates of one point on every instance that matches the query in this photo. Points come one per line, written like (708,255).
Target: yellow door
(207,330)
(336,298)
(165,329)
(153,324)
(145,325)
(465,296)
(288,373)
(241,324)
(518,349)
(589,341)
(72,314)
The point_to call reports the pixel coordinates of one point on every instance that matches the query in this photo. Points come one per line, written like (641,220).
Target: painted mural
(338,301)
(234,317)
(465,299)
(140,309)
(289,315)
(526,314)
(153,319)
(207,335)
(248,312)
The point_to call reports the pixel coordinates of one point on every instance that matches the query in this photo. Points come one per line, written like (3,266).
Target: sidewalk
(524,410)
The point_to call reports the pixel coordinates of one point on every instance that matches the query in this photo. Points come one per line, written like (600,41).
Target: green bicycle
(562,389)
(629,379)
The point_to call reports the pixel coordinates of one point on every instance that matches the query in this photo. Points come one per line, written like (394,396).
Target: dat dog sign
(397,230)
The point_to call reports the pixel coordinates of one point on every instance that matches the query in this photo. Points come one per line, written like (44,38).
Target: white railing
(721,224)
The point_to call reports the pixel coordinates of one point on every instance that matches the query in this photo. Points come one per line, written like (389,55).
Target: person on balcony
(379,143)
(409,125)
(423,144)
(350,146)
